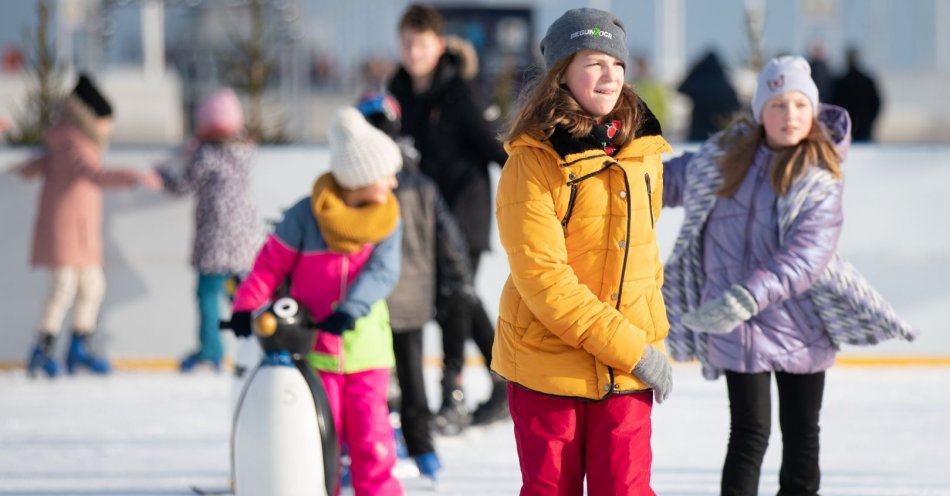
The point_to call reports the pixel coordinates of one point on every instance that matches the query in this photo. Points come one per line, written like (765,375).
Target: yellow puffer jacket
(583,299)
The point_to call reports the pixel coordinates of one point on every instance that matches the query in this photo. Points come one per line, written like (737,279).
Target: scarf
(346,229)
(601,137)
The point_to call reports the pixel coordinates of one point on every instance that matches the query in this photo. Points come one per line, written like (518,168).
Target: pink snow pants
(361,417)
(561,439)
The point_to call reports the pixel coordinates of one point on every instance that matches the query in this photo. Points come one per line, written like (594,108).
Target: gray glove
(654,369)
(723,314)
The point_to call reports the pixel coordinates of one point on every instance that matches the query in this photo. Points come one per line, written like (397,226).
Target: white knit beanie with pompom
(360,154)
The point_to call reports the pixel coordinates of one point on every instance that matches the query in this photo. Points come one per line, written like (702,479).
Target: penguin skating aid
(283,441)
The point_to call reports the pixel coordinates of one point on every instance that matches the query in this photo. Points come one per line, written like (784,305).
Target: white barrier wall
(896,232)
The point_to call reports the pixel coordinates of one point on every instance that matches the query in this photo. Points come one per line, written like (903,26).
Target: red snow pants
(560,440)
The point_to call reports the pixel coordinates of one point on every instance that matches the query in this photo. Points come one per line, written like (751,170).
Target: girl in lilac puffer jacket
(754,285)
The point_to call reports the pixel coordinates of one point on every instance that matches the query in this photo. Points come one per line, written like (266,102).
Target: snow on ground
(886,431)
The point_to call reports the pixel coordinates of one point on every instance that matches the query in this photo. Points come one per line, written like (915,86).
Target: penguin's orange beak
(265,324)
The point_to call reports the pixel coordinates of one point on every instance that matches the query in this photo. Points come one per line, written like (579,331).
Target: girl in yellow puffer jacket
(582,319)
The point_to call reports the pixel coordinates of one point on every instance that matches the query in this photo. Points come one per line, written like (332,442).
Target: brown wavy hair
(744,137)
(547,103)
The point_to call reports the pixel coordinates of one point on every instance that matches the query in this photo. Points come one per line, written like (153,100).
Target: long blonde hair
(547,103)
(791,162)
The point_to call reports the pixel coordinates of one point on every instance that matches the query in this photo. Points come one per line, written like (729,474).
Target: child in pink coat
(68,235)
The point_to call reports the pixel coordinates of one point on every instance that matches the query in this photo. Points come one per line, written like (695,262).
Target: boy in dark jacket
(455,133)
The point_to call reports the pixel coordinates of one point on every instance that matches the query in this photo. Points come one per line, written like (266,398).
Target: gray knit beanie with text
(584,29)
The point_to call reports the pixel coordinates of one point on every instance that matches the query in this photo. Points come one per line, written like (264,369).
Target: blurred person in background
(431,241)
(216,169)
(856,91)
(820,72)
(714,99)
(651,90)
(754,287)
(67,238)
(455,133)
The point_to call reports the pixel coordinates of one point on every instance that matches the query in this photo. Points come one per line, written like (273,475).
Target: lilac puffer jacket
(741,245)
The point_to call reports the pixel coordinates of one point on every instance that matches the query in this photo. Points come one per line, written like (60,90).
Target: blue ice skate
(196,359)
(41,359)
(80,356)
(429,465)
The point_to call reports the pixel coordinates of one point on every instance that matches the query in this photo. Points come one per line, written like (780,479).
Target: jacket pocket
(640,312)
(327,354)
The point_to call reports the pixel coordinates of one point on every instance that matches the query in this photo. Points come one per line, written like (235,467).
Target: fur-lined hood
(80,115)
(464,54)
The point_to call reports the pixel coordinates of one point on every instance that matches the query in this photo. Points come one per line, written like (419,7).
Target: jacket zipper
(626,243)
(748,256)
(623,267)
(570,208)
(344,275)
(646,178)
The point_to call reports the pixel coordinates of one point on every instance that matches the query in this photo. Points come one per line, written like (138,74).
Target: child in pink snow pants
(341,249)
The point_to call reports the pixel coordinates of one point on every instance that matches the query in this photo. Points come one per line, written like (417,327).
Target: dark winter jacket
(857,93)
(431,240)
(455,133)
(714,99)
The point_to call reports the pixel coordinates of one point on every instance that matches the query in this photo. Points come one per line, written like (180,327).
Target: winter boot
(81,356)
(495,408)
(42,357)
(453,416)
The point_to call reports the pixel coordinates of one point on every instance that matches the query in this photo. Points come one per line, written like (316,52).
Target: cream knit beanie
(360,154)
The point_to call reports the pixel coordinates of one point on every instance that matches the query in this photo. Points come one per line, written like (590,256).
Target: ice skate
(196,361)
(493,409)
(81,356)
(41,358)
(453,416)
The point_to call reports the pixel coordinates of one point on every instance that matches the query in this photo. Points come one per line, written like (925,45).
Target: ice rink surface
(885,431)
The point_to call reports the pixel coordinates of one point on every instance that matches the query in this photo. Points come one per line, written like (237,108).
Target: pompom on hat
(360,154)
(584,29)
(781,75)
(219,116)
(87,92)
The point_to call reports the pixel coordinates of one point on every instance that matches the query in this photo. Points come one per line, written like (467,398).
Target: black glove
(241,323)
(337,323)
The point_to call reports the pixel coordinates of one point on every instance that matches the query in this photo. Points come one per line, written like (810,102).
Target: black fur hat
(87,92)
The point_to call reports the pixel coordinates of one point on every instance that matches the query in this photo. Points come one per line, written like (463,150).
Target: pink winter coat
(69,223)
